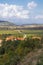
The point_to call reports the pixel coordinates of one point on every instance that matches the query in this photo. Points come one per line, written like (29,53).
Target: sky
(22,11)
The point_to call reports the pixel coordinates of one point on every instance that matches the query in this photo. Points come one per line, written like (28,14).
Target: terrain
(21,44)
(11,26)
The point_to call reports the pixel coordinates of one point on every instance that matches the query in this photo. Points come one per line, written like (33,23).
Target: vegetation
(13,52)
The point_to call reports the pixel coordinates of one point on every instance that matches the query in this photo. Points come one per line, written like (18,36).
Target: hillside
(21,52)
(6,23)
(32,58)
(9,25)
(31,27)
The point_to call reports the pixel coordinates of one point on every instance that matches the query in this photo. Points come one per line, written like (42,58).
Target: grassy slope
(32,58)
(22,31)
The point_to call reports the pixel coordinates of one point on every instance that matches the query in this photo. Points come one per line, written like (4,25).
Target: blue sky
(22,11)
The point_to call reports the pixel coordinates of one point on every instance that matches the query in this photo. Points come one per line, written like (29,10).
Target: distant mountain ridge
(6,23)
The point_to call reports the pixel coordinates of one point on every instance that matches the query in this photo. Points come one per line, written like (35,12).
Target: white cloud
(23,14)
(12,11)
(31,5)
(39,17)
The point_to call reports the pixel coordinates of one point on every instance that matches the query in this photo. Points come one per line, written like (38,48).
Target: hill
(6,23)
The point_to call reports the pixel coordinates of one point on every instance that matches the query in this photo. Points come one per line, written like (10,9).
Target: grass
(27,32)
(11,57)
(12,32)
(8,32)
(33,32)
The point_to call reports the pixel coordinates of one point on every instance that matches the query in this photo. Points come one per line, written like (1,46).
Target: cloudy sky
(22,11)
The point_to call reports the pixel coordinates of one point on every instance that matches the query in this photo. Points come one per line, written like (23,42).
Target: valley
(21,44)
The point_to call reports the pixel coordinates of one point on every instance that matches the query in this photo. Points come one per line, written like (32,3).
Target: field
(21,52)
(22,32)
(8,32)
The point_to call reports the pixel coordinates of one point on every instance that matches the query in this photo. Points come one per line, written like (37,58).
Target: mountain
(6,23)
(9,25)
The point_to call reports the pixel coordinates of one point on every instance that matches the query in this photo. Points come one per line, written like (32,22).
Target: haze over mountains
(5,23)
(8,25)
(22,11)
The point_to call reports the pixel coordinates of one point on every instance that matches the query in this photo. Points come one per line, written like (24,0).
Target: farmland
(19,47)
(8,32)
(22,32)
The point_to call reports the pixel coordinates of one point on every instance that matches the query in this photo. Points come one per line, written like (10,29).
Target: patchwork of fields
(22,32)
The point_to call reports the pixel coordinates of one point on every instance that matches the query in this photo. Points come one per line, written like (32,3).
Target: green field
(8,32)
(22,32)
(21,52)
(33,32)
(12,32)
